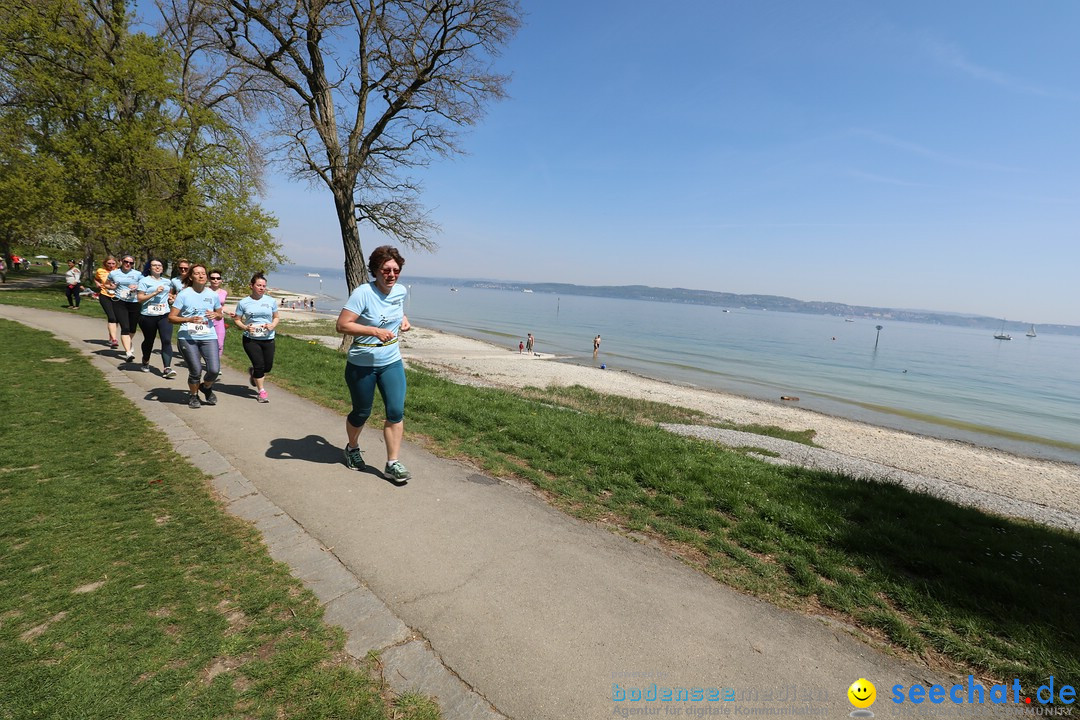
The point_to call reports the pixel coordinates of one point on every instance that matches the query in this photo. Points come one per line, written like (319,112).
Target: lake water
(1021,395)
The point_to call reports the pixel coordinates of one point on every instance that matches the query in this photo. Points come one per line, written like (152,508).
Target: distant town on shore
(775,303)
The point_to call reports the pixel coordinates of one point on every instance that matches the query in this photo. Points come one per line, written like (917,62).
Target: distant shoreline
(773,303)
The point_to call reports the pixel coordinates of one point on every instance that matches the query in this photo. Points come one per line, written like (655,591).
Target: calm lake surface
(1021,395)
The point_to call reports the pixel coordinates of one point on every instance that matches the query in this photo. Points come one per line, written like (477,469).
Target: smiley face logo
(862,693)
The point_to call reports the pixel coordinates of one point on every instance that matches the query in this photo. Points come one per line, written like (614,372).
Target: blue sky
(907,154)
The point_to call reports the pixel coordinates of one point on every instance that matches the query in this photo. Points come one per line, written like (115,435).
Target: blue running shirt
(159,304)
(259,313)
(195,304)
(123,279)
(377,310)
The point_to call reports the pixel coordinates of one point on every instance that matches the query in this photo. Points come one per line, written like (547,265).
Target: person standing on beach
(73,281)
(374,316)
(529,344)
(219,325)
(521,347)
(124,283)
(257,316)
(154,318)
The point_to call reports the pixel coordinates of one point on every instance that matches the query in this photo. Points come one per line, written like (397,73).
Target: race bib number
(196,328)
(258,331)
(157,309)
(124,293)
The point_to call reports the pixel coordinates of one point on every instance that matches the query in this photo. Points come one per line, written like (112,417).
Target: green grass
(994,596)
(125,591)
(48,298)
(976,592)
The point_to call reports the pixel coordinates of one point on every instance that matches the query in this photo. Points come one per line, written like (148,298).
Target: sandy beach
(957,466)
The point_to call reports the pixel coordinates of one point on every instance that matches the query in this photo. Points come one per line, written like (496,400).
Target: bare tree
(364,92)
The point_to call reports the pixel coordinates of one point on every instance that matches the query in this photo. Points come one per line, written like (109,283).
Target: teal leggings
(362,381)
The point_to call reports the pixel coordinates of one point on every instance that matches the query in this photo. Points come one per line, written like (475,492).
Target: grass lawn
(125,590)
(955,586)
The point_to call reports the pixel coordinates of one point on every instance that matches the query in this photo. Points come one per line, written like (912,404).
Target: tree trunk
(355,266)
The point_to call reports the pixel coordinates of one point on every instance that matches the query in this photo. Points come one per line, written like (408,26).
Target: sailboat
(1031,332)
(1001,334)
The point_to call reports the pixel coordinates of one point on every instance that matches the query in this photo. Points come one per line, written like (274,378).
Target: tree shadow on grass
(1004,588)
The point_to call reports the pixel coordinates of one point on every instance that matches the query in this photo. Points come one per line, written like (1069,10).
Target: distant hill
(760,302)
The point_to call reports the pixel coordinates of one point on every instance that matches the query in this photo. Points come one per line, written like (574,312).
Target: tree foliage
(360,93)
(100,121)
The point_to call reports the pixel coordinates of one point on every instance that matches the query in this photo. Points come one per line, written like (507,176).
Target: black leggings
(261,354)
(127,314)
(107,305)
(73,294)
(156,325)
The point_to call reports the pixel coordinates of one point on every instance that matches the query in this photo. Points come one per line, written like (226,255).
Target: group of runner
(195,300)
(373,316)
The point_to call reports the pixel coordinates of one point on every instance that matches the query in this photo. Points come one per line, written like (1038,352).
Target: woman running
(73,281)
(257,316)
(105,297)
(375,316)
(194,310)
(153,293)
(219,325)
(124,282)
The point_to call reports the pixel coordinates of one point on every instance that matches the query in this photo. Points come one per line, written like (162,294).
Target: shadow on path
(317,449)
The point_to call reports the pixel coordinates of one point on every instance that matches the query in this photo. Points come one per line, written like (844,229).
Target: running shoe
(130,357)
(193,401)
(113,344)
(145,367)
(354,458)
(262,397)
(396,471)
(251,376)
(168,373)
(211,398)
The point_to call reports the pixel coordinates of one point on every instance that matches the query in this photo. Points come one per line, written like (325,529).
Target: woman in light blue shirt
(124,283)
(375,316)
(153,293)
(194,310)
(257,316)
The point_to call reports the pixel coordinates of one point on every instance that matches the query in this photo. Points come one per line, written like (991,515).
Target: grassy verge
(125,592)
(953,585)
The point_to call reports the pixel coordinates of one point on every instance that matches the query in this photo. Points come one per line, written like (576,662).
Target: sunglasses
(128,262)
(215,277)
(390,271)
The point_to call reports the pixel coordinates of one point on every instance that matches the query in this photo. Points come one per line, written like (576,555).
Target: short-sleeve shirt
(257,312)
(378,310)
(196,304)
(122,279)
(177,284)
(101,275)
(158,304)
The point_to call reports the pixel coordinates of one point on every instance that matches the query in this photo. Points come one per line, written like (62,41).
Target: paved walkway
(474,590)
